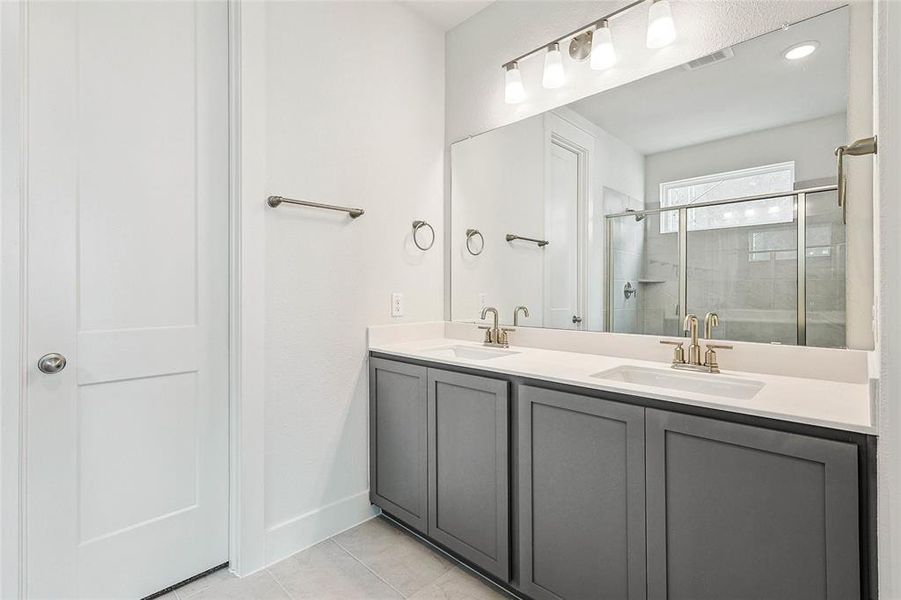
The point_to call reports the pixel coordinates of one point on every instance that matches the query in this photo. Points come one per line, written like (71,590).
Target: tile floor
(376,560)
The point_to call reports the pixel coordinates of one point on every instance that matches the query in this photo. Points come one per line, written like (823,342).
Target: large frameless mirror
(709,187)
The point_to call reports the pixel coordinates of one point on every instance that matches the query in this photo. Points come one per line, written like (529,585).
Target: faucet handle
(678,351)
(719,346)
(710,356)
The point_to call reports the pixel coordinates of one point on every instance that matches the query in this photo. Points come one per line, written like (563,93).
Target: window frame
(665,186)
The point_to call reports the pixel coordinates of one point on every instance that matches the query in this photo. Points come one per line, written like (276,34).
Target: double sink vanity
(587,461)
(600,472)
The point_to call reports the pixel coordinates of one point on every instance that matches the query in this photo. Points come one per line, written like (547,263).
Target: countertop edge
(599,385)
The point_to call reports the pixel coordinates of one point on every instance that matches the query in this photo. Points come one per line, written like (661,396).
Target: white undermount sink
(711,384)
(468,352)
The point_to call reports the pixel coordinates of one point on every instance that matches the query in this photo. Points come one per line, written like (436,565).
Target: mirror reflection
(710,187)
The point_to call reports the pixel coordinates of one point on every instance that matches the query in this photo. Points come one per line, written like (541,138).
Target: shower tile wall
(660,287)
(748,275)
(825,272)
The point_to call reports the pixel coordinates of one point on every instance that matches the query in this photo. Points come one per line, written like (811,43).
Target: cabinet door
(468,468)
(398,461)
(582,503)
(742,512)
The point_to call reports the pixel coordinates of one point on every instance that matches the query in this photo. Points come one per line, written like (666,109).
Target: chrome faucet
(494,335)
(693,362)
(516,311)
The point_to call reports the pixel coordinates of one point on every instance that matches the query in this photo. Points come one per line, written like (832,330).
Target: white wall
(346,102)
(808,143)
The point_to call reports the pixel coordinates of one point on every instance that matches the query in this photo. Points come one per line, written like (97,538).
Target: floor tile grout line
(453,559)
(368,568)
(279,583)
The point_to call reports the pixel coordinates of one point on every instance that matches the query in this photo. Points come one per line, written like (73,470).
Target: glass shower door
(742,263)
(824,271)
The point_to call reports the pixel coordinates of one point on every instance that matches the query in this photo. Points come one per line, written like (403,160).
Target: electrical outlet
(483,301)
(397,304)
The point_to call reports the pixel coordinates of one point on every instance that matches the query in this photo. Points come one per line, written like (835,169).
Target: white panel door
(127,277)
(561,214)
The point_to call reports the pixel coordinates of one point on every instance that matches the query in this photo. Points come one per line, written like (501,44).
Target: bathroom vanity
(576,475)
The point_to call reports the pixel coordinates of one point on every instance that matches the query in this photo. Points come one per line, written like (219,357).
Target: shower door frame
(800,208)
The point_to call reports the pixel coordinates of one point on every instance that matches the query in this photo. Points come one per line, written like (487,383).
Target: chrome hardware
(276,201)
(471,233)
(51,363)
(417,225)
(860,147)
(629,290)
(495,335)
(577,319)
(516,311)
(541,243)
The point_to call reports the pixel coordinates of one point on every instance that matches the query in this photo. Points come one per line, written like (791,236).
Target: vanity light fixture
(661,31)
(661,28)
(514,92)
(802,50)
(554,76)
(603,55)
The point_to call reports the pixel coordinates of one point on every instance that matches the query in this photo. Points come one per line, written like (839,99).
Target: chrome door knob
(51,363)
(577,319)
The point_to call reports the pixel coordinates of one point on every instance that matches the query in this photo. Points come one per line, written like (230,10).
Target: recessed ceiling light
(801,50)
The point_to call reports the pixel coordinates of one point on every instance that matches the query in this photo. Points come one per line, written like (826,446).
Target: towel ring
(417,225)
(471,233)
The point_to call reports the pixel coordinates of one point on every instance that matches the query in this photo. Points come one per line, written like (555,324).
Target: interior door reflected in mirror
(709,187)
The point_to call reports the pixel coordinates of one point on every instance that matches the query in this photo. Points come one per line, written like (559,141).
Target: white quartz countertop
(821,402)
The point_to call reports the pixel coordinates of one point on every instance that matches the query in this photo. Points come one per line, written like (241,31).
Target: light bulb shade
(661,29)
(514,92)
(603,55)
(553,68)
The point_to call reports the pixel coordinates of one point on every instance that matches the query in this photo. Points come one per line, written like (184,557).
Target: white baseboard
(303,531)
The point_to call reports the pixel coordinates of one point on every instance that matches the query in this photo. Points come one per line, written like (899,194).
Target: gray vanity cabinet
(582,497)
(398,448)
(469,495)
(742,512)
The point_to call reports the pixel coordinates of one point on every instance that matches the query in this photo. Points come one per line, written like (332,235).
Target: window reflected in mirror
(709,187)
